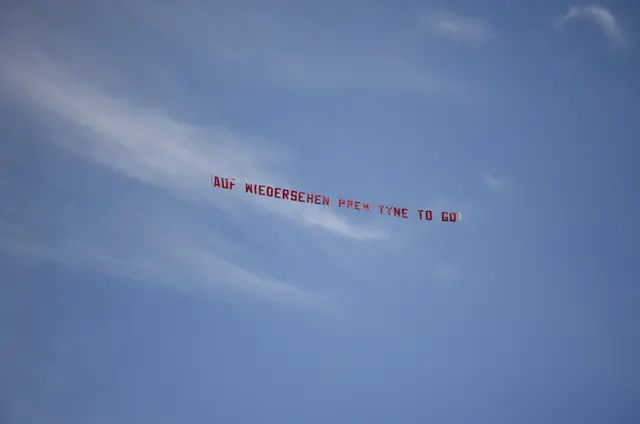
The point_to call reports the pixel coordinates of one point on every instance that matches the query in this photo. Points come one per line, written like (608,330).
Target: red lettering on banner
(428,215)
(228,184)
(449,217)
(353,204)
(225,183)
(393,211)
(318,199)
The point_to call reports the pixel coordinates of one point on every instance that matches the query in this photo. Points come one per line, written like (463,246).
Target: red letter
(396,211)
(380,206)
(452,217)
(248,188)
(356,205)
(325,201)
(366,207)
(341,202)
(444,217)
(349,204)
(405,213)
(294,196)
(420,214)
(216,182)
(317,199)
(278,193)
(261,190)
(285,194)
(389,209)
(269,193)
(428,215)
(301,196)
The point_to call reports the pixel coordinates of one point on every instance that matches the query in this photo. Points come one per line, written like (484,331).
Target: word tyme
(319,199)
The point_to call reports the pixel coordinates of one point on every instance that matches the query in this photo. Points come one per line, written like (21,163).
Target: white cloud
(598,15)
(456,27)
(149,145)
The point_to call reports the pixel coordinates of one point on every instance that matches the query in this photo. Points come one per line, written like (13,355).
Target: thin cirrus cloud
(493,183)
(151,146)
(301,56)
(456,27)
(184,264)
(599,16)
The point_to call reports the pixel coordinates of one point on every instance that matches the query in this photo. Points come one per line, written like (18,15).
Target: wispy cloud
(456,27)
(294,53)
(601,17)
(494,183)
(147,144)
(182,264)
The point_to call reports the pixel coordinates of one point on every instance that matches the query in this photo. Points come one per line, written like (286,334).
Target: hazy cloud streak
(456,27)
(598,15)
(493,183)
(147,144)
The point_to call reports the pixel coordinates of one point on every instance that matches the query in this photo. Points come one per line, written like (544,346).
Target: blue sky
(132,292)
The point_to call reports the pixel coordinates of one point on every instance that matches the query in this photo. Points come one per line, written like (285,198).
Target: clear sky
(131,291)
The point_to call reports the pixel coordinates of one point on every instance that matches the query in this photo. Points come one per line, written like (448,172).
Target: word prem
(319,199)
(352,204)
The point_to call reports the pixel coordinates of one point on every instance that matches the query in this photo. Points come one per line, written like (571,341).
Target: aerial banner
(298,196)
